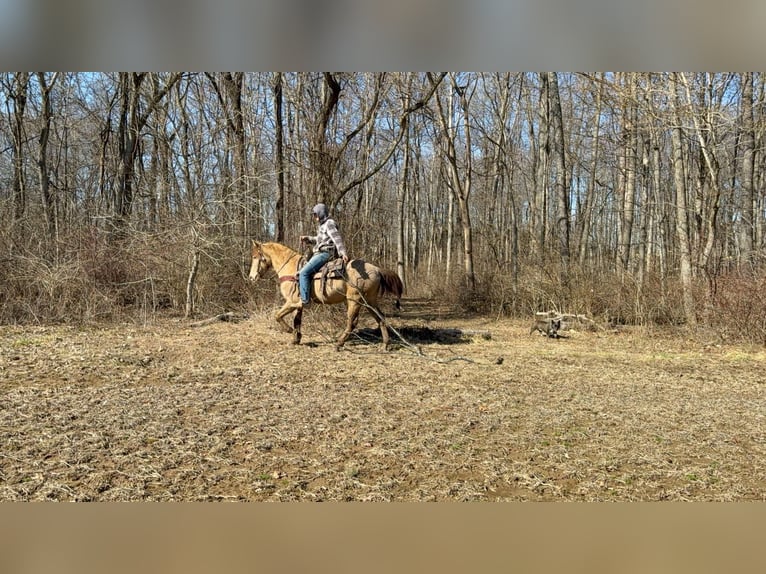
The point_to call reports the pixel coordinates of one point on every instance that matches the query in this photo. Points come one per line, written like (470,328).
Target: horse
(361,286)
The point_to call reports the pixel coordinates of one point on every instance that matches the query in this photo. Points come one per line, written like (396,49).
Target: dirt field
(471,409)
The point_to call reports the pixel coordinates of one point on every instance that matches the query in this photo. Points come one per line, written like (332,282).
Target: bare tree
(561,183)
(747,143)
(401,199)
(584,219)
(682,228)
(236,188)
(42,157)
(279,155)
(132,119)
(501,205)
(17,89)
(460,169)
(627,171)
(662,176)
(540,171)
(706,132)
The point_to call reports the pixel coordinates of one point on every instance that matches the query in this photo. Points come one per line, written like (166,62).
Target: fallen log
(551,322)
(230,317)
(548,326)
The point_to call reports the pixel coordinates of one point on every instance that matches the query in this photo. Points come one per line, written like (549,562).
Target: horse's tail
(391,283)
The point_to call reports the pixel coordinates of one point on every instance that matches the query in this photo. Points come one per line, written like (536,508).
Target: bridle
(263,262)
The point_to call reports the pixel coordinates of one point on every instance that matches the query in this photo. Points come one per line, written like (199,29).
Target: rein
(283,278)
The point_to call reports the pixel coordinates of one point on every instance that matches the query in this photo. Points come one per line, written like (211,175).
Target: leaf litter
(234,412)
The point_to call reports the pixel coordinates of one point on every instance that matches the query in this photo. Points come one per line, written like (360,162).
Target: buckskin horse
(361,285)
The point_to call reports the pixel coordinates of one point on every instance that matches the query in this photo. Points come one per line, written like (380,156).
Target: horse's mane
(274,246)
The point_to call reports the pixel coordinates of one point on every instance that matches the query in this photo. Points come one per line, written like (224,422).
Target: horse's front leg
(280,315)
(297,326)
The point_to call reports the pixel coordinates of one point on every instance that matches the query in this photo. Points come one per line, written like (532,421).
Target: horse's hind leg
(352,315)
(375,312)
(297,326)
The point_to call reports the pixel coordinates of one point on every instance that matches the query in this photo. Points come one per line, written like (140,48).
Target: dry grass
(232,411)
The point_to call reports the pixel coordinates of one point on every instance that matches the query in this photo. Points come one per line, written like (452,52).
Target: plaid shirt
(326,236)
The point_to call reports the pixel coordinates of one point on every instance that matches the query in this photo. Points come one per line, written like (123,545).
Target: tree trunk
(401,202)
(562,185)
(133,118)
(711,165)
(585,217)
(279,158)
(749,198)
(323,159)
(507,212)
(682,228)
(18,95)
(539,203)
(130,84)
(461,188)
(191,279)
(42,158)
(658,237)
(628,177)
(235,183)
(463,197)
(241,189)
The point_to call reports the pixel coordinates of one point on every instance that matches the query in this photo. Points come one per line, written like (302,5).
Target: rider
(326,242)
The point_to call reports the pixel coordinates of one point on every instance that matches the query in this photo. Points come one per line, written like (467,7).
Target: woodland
(631,198)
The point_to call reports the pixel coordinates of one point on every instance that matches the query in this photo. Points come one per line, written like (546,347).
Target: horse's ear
(256,244)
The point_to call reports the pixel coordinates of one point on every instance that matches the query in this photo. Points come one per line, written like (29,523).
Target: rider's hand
(345,259)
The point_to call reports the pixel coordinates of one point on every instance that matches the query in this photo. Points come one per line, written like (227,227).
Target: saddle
(333,269)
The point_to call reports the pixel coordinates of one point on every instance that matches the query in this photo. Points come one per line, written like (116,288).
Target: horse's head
(260,262)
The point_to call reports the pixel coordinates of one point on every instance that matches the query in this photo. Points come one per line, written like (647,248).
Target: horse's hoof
(297,339)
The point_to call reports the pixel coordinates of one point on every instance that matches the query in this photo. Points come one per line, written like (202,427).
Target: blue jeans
(307,272)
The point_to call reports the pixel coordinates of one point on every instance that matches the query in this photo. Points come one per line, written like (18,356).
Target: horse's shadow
(411,336)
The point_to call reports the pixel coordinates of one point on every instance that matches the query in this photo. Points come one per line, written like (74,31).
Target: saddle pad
(333,269)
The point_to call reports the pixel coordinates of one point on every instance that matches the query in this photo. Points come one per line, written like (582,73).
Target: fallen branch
(484,334)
